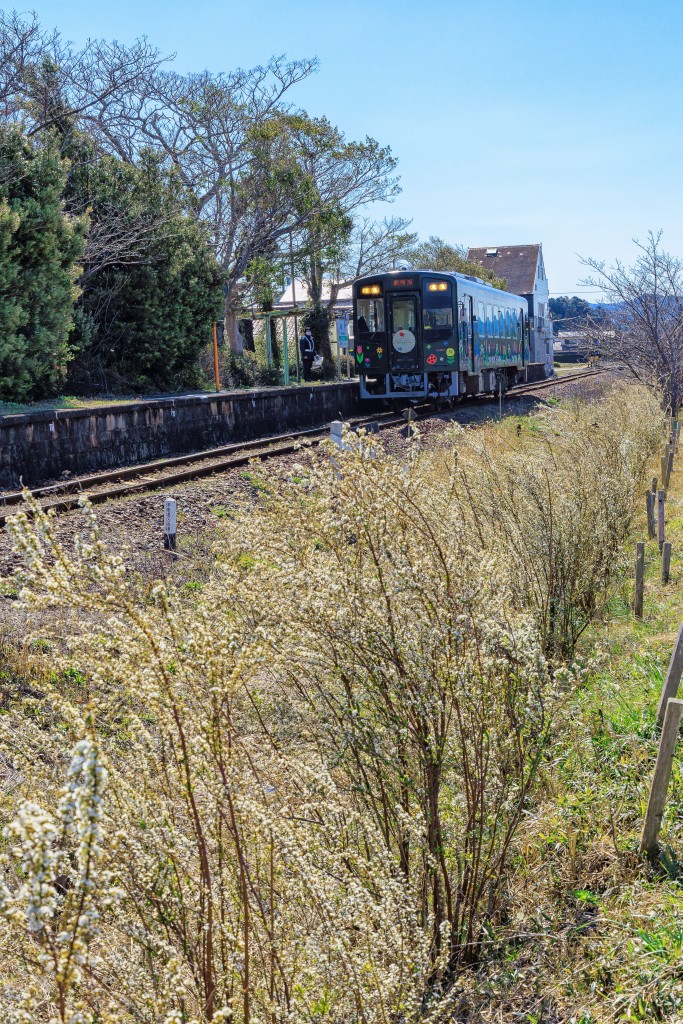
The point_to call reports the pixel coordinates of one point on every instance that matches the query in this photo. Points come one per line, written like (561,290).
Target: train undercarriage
(412,387)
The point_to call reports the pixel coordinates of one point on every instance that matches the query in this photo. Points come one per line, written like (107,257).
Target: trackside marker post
(673,676)
(640,579)
(409,416)
(170,521)
(336,437)
(660,780)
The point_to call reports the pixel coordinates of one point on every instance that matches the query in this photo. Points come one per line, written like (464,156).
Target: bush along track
(389,761)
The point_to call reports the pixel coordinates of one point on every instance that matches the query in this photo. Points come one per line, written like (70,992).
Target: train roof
(443,273)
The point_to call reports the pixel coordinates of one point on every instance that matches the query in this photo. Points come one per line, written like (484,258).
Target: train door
(466,333)
(405,349)
(470,333)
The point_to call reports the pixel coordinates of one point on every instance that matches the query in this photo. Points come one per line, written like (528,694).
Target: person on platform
(308,353)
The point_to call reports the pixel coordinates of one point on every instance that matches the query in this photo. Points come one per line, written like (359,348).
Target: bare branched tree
(255,170)
(115,239)
(374,246)
(230,138)
(645,315)
(345,177)
(46,83)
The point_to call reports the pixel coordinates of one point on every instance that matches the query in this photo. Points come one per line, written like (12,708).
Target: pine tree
(149,301)
(40,247)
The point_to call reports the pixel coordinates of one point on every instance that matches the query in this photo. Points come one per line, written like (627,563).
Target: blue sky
(513,120)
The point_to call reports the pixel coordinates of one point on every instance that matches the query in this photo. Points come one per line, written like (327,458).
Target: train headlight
(371,289)
(437,286)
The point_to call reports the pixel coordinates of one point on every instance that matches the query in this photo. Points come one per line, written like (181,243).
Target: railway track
(102,487)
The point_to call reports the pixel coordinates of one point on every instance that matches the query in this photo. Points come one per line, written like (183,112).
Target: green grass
(562,368)
(63,402)
(584,836)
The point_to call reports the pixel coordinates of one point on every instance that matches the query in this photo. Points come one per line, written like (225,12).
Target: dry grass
(352,776)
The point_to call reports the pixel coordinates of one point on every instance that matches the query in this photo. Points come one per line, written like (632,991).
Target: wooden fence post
(673,676)
(666,561)
(650,506)
(640,579)
(660,780)
(660,517)
(669,466)
(664,461)
(654,485)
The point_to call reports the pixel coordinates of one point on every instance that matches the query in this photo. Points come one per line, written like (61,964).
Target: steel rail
(205,463)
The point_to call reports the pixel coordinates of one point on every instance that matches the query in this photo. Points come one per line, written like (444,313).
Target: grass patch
(627,964)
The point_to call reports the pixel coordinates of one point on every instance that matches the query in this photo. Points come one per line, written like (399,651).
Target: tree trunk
(246,329)
(232,333)
(274,344)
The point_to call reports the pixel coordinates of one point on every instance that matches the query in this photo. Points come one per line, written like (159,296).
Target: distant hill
(572,313)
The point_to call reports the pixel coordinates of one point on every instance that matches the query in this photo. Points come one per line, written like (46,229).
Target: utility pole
(296,325)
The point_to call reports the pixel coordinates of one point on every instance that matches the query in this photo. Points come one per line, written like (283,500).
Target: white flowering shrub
(58,882)
(316,766)
(558,508)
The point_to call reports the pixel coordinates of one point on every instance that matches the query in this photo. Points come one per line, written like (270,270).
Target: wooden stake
(669,467)
(654,485)
(673,676)
(650,508)
(660,517)
(640,579)
(666,561)
(664,461)
(660,780)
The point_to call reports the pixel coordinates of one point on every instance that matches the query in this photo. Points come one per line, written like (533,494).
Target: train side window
(508,331)
(481,319)
(489,321)
(496,323)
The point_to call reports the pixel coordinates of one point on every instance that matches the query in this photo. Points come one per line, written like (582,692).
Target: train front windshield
(370,318)
(437,309)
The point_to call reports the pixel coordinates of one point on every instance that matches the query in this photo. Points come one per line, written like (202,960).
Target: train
(423,334)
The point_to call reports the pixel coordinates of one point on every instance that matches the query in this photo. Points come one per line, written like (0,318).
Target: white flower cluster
(57,861)
(318,768)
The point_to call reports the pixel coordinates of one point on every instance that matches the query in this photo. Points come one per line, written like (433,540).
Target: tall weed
(294,796)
